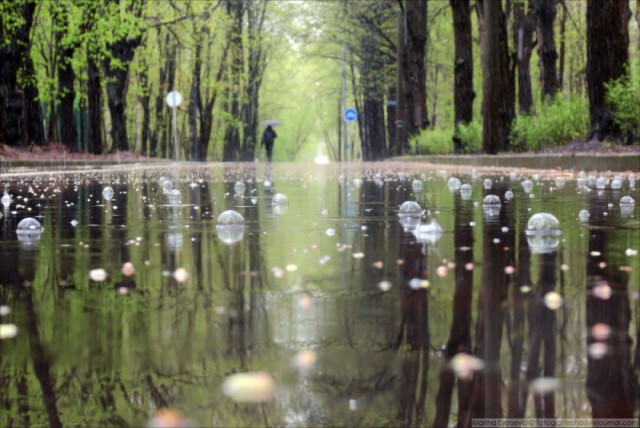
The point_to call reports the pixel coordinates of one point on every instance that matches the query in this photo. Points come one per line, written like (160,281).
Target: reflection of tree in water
(460,333)
(20,285)
(413,339)
(518,387)
(487,384)
(612,386)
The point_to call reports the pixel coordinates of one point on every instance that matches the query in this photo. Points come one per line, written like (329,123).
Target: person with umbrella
(268,138)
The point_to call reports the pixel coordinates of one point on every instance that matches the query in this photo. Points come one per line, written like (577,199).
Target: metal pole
(175,134)
(344,101)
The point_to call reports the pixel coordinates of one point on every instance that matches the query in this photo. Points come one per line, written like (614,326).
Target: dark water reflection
(111,353)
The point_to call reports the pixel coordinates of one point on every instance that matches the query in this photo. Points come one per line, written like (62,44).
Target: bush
(623,95)
(471,136)
(439,141)
(432,142)
(558,123)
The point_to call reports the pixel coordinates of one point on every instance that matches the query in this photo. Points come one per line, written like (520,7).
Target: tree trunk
(391,119)
(411,84)
(495,104)
(166,77)
(232,148)
(195,100)
(206,116)
(66,79)
(464,94)
(117,85)
(523,41)
(563,26)
(546,15)
(94,95)
(145,98)
(20,113)
(607,57)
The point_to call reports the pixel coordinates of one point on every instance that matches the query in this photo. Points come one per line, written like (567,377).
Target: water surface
(307,277)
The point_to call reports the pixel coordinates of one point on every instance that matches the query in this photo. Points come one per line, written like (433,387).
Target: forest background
(432,76)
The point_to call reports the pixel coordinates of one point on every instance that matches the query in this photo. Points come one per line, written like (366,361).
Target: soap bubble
(98,275)
(545,385)
(627,200)
(305,359)
(601,183)
(527,185)
(428,233)
(8,331)
(417,186)
(597,350)
(239,188)
(230,218)
(410,208)
(584,215)
(491,200)
(601,331)
(553,300)
(508,194)
(543,223)
(357,182)
(543,231)
(250,387)
(167,186)
(487,183)
(230,227)
(491,206)
(107,193)
(230,234)
(175,197)
(169,418)
(616,184)
(464,365)
(280,199)
(465,191)
(581,182)
(29,226)
(6,199)
(454,184)
(267,183)
(560,182)
(409,215)
(591,181)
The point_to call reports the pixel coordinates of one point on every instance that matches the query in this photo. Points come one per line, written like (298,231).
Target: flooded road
(350,311)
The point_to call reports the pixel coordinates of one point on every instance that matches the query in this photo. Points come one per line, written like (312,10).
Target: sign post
(173,100)
(350,115)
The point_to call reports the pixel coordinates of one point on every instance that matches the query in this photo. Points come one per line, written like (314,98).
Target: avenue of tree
(93,75)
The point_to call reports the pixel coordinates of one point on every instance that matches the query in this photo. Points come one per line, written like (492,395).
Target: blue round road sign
(350,115)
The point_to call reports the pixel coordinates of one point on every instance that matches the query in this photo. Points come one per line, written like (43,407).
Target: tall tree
(121,52)
(607,58)
(66,45)
(231,151)
(411,89)
(20,113)
(546,16)
(94,81)
(497,109)
(523,26)
(463,94)
(256,65)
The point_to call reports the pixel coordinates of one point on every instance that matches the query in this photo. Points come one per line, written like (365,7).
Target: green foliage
(471,136)
(439,141)
(624,96)
(557,123)
(433,142)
